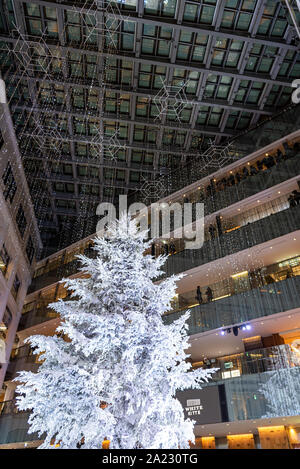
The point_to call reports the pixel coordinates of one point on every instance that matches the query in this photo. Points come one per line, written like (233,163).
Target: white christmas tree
(115,376)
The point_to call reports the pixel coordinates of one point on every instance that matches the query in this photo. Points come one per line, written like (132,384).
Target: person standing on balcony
(199,295)
(296,195)
(292,201)
(172,248)
(245,172)
(153,250)
(253,170)
(219,225)
(209,294)
(212,231)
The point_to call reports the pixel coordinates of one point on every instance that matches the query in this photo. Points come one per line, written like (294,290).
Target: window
(160,7)
(156,40)
(69,204)
(151,76)
(41,19)
(21,220)
(7,317)
(217,87)
(4,260)
(30,250)
(10,184)
(201,11)
(15,287)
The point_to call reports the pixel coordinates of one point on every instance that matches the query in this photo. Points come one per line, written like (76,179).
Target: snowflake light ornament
(47,137)
(216,156)
(152,190)
(170,100)
(97,138)
(113,145)
(100,18)
(32,54)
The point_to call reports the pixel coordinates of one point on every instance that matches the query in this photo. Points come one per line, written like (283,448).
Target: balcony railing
(246,399)
(283,171)
(247,236)
(236,309)
(252,362)
(255,233)
(219,199)
(14,425)
(24,360)
(36,317)
(275,368)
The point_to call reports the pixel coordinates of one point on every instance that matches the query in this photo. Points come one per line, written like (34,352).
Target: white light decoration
(217,156)
(32,54)
(152,189)
(170,100)
(102,19)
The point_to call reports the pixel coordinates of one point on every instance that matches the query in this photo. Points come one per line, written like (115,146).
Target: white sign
(193,407)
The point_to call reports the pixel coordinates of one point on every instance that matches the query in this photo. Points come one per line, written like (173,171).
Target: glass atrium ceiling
(91,89)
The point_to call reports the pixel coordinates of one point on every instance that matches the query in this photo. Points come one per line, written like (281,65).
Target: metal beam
(109,117)
(219,71)
(168,22)
(147,93)
(293,16)
(90,162)
(136,146)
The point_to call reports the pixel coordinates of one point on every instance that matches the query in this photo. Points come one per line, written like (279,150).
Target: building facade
(19,235)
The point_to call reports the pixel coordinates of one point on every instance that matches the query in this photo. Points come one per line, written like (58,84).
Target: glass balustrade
(259,302)
(260,231)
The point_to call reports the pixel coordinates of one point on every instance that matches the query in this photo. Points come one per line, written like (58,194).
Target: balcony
(255,361)
(265,385)
(217,200)
(236,309)
(36,317)
(13,424)
(258,232)
(247,236)
(283,171)
(22,359)
(256,372)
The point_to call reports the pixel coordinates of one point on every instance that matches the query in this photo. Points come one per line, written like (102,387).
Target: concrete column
(10,391)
